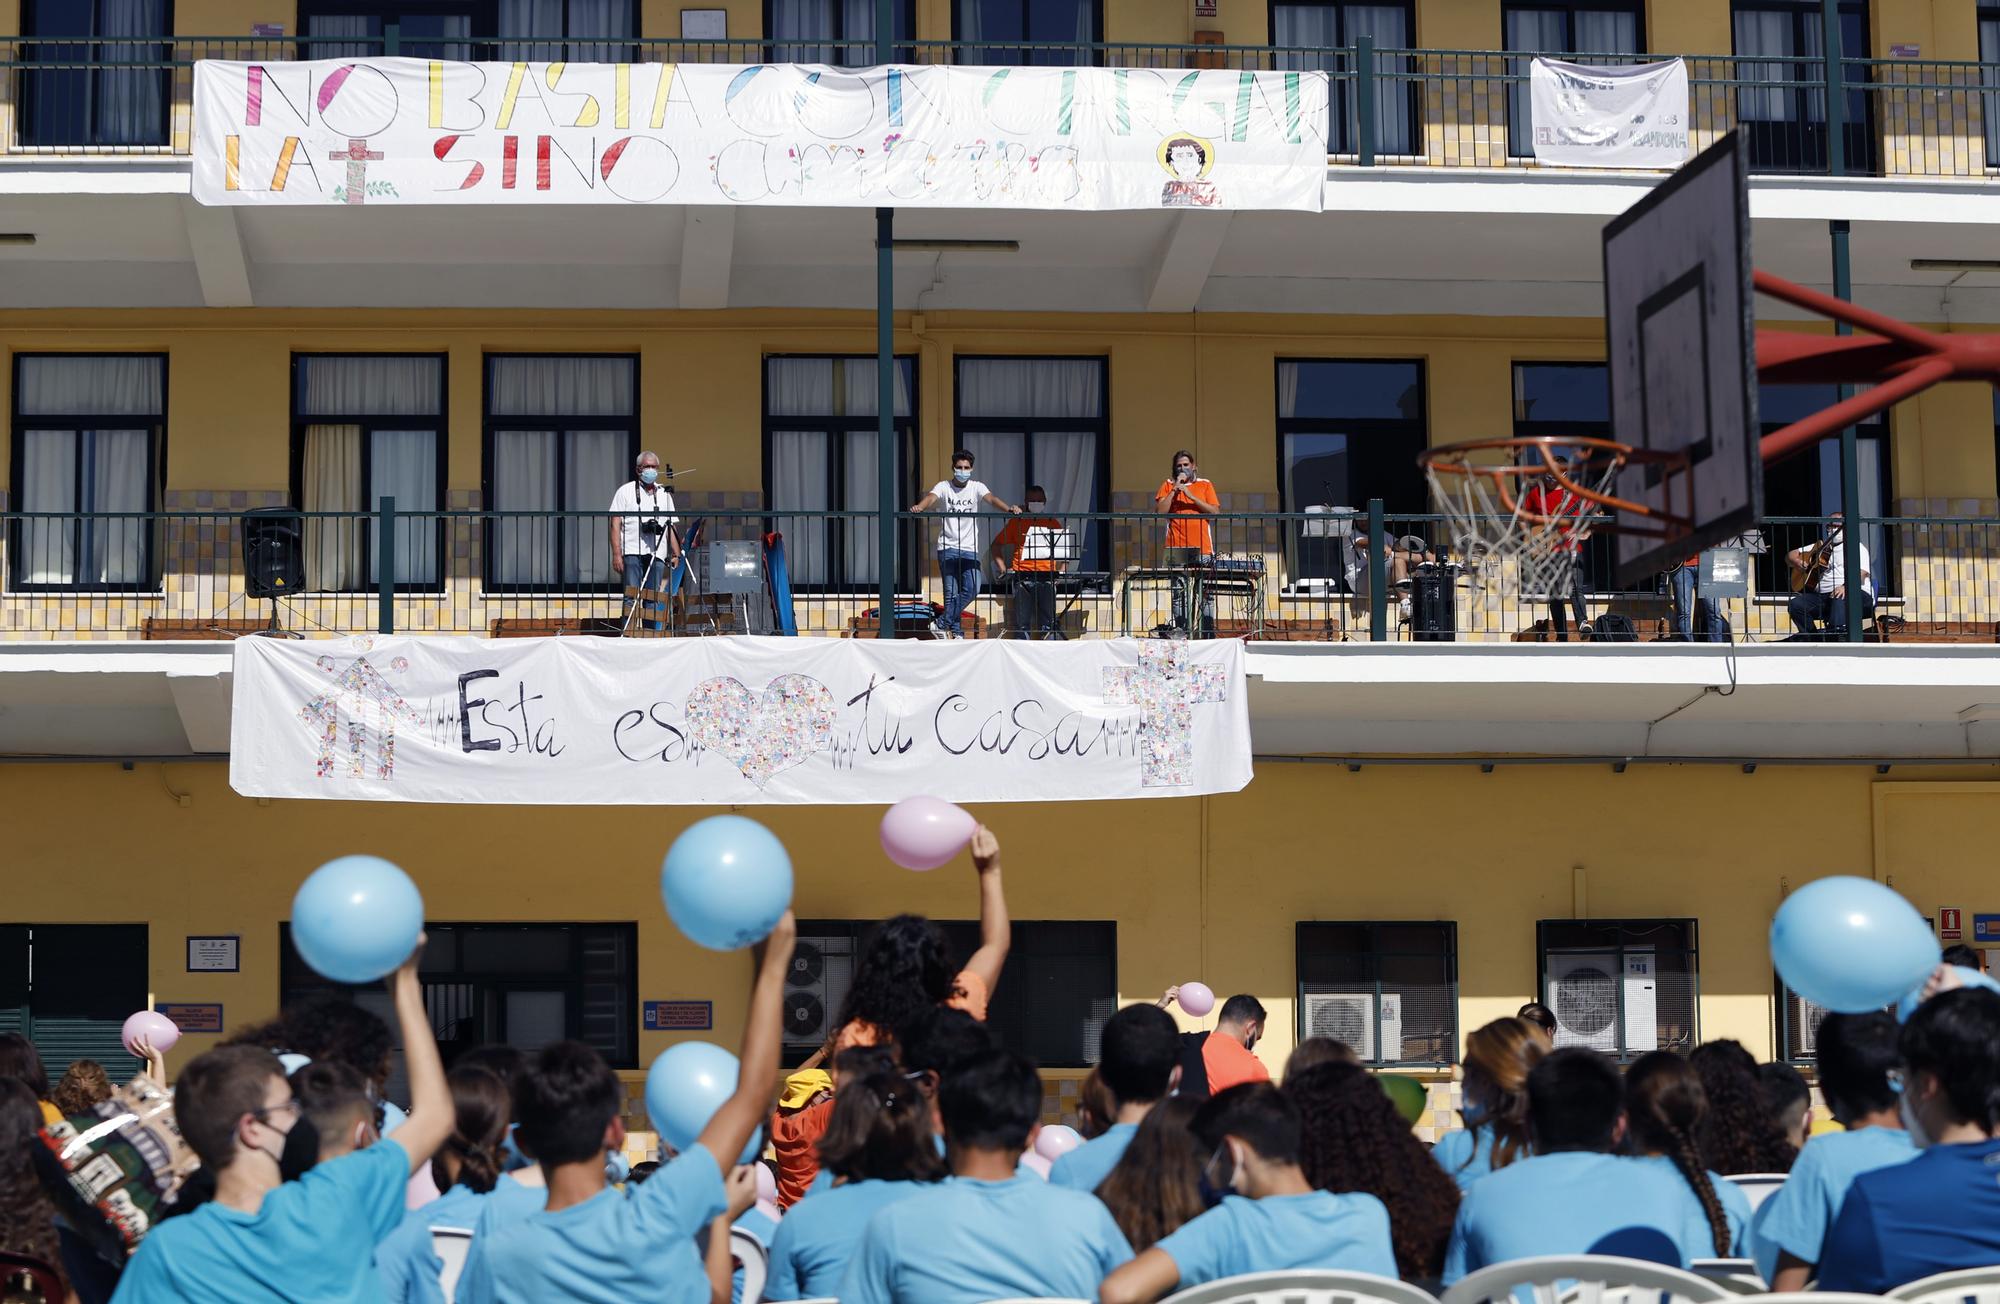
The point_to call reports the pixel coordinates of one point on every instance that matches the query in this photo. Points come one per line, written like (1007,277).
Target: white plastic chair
(1303,1286)
(451,1244)
(1737,1276)
(1811,1297)
(748,1251)
(1965,1286)
(1586,1279)
(1759,1187)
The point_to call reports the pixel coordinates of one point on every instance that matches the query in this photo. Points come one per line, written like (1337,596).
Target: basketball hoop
(1533,501)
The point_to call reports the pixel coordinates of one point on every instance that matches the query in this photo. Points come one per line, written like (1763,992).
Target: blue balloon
(1851,945)
(1966,978)
(726,882)
(684,1088)
(356,918)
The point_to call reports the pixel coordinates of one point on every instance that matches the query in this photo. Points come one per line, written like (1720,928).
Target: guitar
(1806,577)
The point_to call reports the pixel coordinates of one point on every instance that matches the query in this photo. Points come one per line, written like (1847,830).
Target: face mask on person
(300,1151)
(650,475)
(959,476)
(1036,505)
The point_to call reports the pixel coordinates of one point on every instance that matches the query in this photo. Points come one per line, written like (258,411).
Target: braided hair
(1666,1105)
(470,1156)
(1739,1135)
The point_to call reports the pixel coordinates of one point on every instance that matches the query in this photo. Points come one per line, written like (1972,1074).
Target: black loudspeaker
(274,564)
(1434,605)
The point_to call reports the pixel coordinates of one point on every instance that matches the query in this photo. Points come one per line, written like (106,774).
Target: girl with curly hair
(1352,1139)
(27,1219)
(1738,1135)
(1664,1106)
(1156,1185)
(1493,1100)
(84,1086)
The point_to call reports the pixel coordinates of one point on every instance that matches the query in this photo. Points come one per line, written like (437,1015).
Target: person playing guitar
(1819,583)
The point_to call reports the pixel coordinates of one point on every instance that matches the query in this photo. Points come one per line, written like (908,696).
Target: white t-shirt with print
(960,532)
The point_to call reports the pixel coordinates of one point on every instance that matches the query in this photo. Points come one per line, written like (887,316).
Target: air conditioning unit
(1584,989)
(1353,1018)
(815,986)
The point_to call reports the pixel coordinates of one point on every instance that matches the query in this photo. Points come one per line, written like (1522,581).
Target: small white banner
(426,131)
(741,721)
(1634,117)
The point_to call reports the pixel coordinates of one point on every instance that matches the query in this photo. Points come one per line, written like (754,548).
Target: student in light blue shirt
(466,1170)
(1665,1104)
(1273,1218)
(985,1233)
(597,1244)
(1493,1100)
(263,1238)
(1139,1064)
(1856,1054)
(879,1148)
(1573,1196)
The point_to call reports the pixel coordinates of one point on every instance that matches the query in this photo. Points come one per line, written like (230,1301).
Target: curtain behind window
(1389,26)
(332,483)
(1989,80)
(48,484)
(84,469)
(341,36)
(524,480)
(560,386)
(402,464)
(1761,32)
(131,103)
(595,31)
(801,27)
(1064,462)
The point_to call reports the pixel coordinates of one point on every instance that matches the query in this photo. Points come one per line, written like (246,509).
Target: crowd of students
(903,1167)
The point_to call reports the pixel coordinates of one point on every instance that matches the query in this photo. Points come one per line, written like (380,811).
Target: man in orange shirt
(1213,1062)
(1189,499)
(1034,609)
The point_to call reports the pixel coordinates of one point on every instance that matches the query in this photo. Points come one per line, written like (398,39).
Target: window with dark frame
(997,25)
(1798,1019)
(562,432)
(89,449)
(840,33)
(69,989)
(1600,31)
(1060,984)
(1621,986)
(820,433)
(92,100)
(1780,48)
(576,31)
(366,427)
(525,985)
(1039,420)
(1349,429)
(1389,990)
(1313,37)
(1570,400)
(1807,483)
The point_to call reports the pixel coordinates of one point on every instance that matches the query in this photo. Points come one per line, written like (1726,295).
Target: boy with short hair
(986,1232)
(1941,1210)
(1138,1064)
(334,1099)
(1856,1055)
(1273,1219)
(1574,1195)
(264,1237)
(593,1242)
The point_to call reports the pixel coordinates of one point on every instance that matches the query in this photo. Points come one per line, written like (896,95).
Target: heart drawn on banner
(761,734)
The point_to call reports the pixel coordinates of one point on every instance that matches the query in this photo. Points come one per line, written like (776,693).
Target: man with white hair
(644,545)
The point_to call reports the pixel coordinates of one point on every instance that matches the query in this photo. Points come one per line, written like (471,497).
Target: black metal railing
(1441,108)
(1322,575)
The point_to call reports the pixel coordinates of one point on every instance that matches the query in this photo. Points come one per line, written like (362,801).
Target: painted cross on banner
(357,156)
(1166,686)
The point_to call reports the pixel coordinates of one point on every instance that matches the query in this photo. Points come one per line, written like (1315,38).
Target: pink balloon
(1057,1140)
(1037,1165)
(1196,999)
(770,1209)
(155,1027)
(767,1185)
(923,832)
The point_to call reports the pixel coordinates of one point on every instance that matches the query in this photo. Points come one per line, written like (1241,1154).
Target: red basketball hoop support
(1899,360)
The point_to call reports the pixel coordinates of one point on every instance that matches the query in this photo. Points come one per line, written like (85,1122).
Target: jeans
(1692,610)
(1809,608)
(1570,589)
(1034,613)
(644,571)
(960,571)
(1179,559)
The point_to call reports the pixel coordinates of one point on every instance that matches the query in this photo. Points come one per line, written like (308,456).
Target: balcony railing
(1265,575)
(1437,108)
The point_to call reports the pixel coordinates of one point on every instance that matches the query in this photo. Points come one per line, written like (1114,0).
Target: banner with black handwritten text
(437,131)
(738,721)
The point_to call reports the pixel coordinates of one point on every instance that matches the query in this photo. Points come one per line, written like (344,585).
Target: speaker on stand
(273,557)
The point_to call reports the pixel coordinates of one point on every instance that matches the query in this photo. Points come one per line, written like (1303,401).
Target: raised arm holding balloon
(996,933)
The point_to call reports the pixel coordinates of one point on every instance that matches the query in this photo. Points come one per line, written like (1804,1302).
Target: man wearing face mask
(265,1237)
(1034,611)
(644,543)
(1940,1211)
(1213,1062)
(958,540)
(1271,1220)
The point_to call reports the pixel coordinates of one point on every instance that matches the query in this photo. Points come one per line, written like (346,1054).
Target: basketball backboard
(1681,344)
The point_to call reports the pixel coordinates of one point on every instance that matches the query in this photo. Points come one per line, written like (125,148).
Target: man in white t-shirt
(958,540)
(644,544)
(1826,599)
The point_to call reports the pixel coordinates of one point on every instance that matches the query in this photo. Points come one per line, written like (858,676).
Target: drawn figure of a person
(1187,160)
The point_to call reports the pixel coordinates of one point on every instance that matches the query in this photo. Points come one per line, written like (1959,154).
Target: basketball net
(1518,525)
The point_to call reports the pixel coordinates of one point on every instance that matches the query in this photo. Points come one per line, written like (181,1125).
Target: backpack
(1613,628)
(1194,1070)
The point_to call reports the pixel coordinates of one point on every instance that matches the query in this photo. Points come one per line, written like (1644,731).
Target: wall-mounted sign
(193,1018)
(267,29)
(223,954)
(678,1016)
(1986,930)
(1205,8)
(1951,924)
(1905,51)
(704,24)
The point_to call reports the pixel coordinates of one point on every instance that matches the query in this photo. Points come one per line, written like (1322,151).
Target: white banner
(1635,117)
(417,131)
(740,721)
